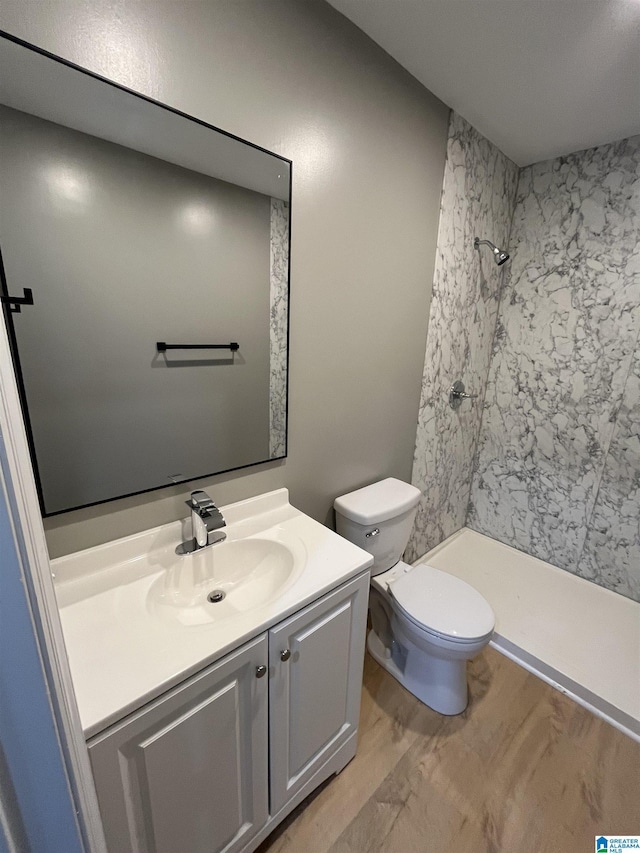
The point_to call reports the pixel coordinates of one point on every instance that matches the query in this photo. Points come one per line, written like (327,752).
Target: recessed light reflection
(67,183)
(197,218)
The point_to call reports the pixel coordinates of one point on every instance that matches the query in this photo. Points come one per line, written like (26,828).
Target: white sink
(136,618)
(225,579)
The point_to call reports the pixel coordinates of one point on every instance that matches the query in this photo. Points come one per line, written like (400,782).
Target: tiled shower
(548,459)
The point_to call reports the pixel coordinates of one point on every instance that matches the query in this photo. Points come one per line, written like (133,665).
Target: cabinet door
(189,774)
(316,660)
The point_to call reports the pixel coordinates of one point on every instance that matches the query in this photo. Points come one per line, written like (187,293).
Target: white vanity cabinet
(216,763)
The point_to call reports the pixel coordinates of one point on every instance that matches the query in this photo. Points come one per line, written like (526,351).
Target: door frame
(17,477)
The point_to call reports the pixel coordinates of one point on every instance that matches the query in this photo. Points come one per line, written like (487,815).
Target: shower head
(498,255)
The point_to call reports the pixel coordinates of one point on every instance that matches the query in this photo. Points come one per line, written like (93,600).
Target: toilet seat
(442,605)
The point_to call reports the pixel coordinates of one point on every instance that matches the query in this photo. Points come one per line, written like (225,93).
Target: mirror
(156,251)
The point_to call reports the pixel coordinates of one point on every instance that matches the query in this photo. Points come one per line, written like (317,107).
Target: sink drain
(216,596)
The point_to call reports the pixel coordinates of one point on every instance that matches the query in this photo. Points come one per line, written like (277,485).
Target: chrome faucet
(206,521)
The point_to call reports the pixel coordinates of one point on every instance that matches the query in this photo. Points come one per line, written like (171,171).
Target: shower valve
(457,394)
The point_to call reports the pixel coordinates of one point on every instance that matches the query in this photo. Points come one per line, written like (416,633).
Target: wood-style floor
(523,770)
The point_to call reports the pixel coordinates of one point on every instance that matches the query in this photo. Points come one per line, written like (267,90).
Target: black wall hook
(14,302)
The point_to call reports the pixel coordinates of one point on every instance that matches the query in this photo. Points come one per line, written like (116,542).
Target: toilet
(426,624)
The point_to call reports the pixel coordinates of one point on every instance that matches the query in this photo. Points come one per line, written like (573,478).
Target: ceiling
(539,78)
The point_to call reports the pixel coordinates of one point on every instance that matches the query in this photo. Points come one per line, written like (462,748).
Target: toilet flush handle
(372,533)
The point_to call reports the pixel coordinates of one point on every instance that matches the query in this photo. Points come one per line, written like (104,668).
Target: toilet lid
(443,604)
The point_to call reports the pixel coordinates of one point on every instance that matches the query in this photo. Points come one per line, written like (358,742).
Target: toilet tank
(379,519)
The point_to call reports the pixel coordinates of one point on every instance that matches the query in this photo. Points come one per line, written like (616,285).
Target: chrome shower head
(498,255)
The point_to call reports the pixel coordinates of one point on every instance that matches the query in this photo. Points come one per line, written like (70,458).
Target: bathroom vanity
(208,721)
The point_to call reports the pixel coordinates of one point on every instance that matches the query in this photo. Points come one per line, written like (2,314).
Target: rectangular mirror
(156,251)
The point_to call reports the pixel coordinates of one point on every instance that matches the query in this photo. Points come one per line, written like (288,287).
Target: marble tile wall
(477,200)
(279,308)
(557,472)
(611,553)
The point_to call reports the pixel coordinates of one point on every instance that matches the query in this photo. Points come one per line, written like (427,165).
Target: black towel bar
(161,346)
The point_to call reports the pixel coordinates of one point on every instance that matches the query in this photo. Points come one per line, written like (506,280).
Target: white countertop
(122,655)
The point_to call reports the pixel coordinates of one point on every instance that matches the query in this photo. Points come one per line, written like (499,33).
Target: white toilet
(426,623)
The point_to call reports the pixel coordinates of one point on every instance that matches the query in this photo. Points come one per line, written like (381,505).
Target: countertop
(122,655)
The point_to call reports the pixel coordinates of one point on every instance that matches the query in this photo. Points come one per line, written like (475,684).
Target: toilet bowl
(436,623)
(426,624)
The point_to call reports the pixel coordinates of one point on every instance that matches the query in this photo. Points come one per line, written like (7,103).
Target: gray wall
(368,145)
(122,250)
(478,198)
(558,467)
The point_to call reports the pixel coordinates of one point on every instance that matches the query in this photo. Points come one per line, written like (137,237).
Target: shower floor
(577,636)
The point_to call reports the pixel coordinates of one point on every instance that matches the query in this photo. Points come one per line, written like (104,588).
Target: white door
(188,774)
(315,660)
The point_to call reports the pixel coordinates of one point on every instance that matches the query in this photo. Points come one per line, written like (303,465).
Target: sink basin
(224,580)
(136,616)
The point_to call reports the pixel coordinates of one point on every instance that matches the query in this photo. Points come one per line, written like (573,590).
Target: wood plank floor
(523,770)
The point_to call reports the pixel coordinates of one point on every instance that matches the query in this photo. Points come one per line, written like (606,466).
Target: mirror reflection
(156,249)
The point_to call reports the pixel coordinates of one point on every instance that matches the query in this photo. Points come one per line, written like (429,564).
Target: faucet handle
(201,503)
(200,498)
